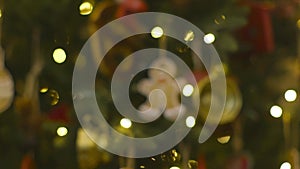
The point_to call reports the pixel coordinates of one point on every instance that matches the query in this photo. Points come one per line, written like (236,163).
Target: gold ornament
(233,102)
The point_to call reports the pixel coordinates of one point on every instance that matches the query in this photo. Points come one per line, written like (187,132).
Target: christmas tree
(43,43)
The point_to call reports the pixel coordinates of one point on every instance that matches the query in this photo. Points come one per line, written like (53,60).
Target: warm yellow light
(188,90)
(62,131)
(0,13)
(125,123)
(157,32)
(209,38)
(276,111)
(190,121)
(142,166)
(298,23)
(223,140)
(86,8)
(59,55)
(285,165)
(44,90)
(189,36)
(290,95)
(174,167)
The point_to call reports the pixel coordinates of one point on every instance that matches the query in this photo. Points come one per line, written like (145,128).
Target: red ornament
(201,162)
(28,162)
(59,113)
(241,161)
(258,32)
(131,6)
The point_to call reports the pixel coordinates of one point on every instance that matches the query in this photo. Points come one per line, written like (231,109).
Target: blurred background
(258,43)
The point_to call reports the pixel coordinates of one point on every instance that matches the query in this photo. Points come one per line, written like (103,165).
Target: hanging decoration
(127,7)
(28,161)
(233,100)
(6,85)
(160,79)
(258,32)
(6,80)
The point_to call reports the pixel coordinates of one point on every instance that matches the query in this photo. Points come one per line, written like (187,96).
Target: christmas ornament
(240,161)
(59,114)
(258,32)
(127,7)
(28,162)
(163,78)
(233,100)
(201,162)
(6,85)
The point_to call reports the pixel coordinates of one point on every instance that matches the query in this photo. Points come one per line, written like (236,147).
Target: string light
(276,111)
(86,8)
(285,165)
(224,139)
(298,23)
(290,95)
(174,167)
(125,123)
(190,121)
(44,90)
(62,131)
(188,90)
(157,32)
(209,38)
(59,55)
(189,36)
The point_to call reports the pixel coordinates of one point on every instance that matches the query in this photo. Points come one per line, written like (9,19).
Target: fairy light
(224,139)
(286,165)
(209,38)
(86,8)
(157,32)
(174,167)
(290,95)
(62,131)
(44,90)
(125,123)
(59,55)
(276,111)
(188,90)
(190,121)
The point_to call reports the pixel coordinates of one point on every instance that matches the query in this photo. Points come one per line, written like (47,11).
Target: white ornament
(6,86)
(163,89)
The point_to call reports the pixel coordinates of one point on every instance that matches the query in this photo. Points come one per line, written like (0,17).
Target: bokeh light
(189,36)
(125,123)
(285,165)
(174,167)
(190,121)
(157,32)
(62,131)
(290,95)
(44,90)
(224,139)
(59,55)
(188,90)
(209,38)
(86,8)
(276,111)
(192,164)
